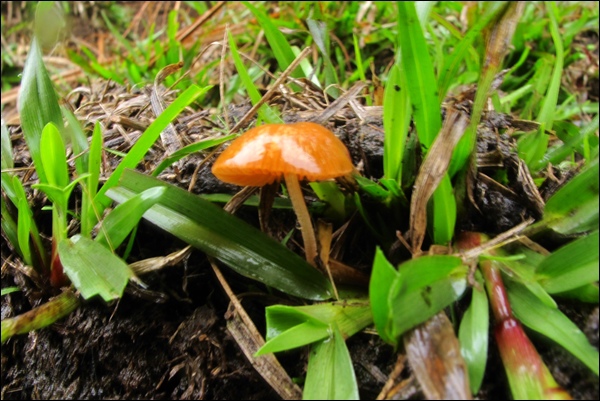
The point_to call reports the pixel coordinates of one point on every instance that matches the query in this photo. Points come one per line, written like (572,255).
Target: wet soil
(170,341)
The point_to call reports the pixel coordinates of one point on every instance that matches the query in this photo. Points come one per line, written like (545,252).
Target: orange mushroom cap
(264,153)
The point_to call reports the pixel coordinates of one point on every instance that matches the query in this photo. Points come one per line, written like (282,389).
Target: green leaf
(90,210)
(420,77)
(265,112)
(239,245)
(443,210)
(396,120)
(78,139)
(574,208)
(572,143)
(329,192)
(586,293)
(54,159)
(188,150)
(6,160)
(473,335)
(290,327)
(281,48)
(571,266)
(295,336)
(549,101)
(25,219)
(383,276)
(423,287)
(320,34)
(552,323)
(452,63)
(145,142)
(125,217)
(38,105)
(330,374)
(93,269)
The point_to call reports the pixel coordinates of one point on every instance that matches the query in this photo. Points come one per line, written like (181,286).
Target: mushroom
(296,151)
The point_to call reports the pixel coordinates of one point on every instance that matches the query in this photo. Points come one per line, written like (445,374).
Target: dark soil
(170,341)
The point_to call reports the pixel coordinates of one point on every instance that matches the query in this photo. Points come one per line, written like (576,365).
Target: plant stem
(306,227)
(528,376)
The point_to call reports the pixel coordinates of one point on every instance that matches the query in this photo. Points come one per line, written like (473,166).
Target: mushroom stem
(306,227)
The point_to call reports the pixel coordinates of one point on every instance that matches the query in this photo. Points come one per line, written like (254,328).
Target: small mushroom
(295,151)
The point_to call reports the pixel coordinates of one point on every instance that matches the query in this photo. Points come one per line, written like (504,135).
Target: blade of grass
(574,207)
(227,238)
(396,121)
(320,34)
(498,40)
(281,48)
(552,323)
(473,335)
(188,150)
(571,266)
(266,113)
(452,63)
(383,276)
(420,77)
(124,218)
(423,287)
(148,138)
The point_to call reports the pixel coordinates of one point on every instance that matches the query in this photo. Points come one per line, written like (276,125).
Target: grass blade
(450,69)
(380,285)
(330,374)
(281,48)
(473,335)
(125,217)
(265,112)
(396,120)
(574,208)
(571,266)
(143,144)
(188,150)
(420,77)
(242,247)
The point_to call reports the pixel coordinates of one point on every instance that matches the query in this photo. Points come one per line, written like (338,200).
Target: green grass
(414,59)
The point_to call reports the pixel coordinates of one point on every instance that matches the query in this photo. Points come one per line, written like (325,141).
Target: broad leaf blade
(242,247)
(38,105)
(424,286)
(93,269)
(290,327)
(330,374)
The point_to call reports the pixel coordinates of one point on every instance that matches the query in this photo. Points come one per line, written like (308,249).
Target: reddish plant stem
(57,275)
